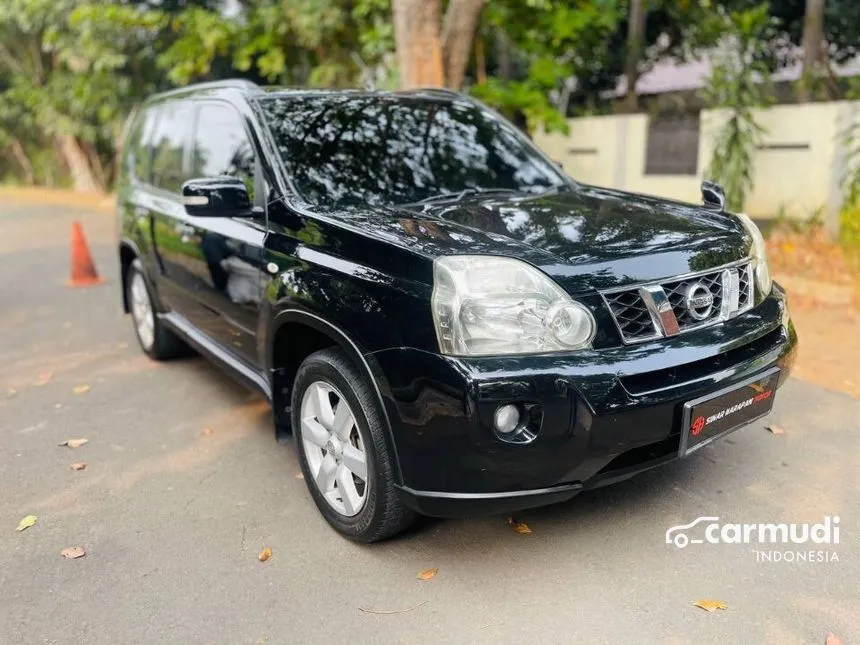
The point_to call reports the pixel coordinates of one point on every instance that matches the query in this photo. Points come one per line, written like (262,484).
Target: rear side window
(141,144)
(221,145)
(170,142)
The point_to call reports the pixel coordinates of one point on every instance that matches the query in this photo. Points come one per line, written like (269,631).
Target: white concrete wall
(591,151)
(801,175)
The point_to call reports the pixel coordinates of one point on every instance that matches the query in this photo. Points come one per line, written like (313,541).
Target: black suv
(445,322)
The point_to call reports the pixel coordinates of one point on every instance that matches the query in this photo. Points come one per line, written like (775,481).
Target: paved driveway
(173,518)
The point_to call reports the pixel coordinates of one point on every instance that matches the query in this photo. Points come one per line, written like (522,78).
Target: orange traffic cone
(83,270)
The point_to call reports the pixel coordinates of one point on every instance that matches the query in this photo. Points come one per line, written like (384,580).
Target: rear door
(178,255)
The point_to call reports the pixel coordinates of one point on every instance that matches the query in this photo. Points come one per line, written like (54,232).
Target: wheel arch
(295,334)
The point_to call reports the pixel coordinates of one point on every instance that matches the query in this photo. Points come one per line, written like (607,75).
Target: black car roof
(249,89)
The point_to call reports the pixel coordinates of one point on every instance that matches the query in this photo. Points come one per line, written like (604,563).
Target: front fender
(366,364)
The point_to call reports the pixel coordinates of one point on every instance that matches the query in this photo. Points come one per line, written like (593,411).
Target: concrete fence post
(619,172)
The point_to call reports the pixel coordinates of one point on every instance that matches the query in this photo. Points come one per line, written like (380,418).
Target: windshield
(383,150)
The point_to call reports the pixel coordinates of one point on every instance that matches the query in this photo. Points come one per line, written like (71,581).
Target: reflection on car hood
(584,238)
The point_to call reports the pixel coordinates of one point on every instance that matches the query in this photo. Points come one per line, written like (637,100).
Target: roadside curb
(57,196)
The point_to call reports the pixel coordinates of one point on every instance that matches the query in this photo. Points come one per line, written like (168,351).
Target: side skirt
(223,359)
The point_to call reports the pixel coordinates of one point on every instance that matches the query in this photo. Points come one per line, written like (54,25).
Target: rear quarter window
(170,142)
(140,144)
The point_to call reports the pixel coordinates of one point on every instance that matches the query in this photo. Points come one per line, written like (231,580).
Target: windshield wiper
(466,191)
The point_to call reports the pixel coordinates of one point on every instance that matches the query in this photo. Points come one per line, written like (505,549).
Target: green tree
(739,83)
(551,44)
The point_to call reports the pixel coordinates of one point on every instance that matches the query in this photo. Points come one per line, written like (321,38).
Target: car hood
(585,238)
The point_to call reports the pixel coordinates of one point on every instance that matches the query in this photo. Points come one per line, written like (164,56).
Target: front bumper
(602,415)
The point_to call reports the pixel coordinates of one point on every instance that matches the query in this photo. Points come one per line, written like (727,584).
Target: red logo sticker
(698,426)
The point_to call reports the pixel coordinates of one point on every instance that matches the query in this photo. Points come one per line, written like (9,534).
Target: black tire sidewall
(320,367)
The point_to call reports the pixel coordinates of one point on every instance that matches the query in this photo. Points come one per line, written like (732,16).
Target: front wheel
(344,458)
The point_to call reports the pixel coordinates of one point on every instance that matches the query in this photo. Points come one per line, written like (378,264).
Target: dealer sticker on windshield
(719,413)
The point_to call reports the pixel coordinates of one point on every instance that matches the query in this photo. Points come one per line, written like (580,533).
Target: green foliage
(851,177)
(849,229)
(522,97)
(850,215)
(71,70)
(738,82)
(323,43)
(553,43)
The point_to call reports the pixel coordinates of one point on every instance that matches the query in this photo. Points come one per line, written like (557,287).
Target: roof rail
(433,90)
(227,83)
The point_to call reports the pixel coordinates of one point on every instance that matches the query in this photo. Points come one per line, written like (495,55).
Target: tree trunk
(24,161)
(812,43)
(504,59)
(418,43)
(480,61)
(635,39)
(76,159)
(458,33)
(95,164)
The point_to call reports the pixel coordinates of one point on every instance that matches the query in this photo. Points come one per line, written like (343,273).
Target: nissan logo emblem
(699,301)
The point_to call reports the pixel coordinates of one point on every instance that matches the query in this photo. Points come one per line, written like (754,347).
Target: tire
(330,375)
(155,339)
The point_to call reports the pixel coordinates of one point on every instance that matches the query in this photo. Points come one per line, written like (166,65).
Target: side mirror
(713,196)
(216,197)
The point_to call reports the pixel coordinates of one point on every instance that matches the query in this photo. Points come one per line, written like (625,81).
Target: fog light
(507,418)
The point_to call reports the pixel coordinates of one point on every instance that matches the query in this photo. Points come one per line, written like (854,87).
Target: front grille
(677,293)
(642,312)
(631,315)
(744,281)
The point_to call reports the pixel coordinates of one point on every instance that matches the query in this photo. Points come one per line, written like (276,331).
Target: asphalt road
(173,518)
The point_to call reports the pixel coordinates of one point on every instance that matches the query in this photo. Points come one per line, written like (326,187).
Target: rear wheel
(156,340)
(342,450)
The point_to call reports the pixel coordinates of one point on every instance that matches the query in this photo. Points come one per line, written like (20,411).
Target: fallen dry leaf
(81,389)
(832,639)
(427,574)
(299,476)
(43,378)
(776,430)
(711,605)
(74,443)
(206,431)
(26,522)
(73,552)
(520,527)
(265,554)
(78,465)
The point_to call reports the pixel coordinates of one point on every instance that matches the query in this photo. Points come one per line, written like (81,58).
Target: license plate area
(712,416)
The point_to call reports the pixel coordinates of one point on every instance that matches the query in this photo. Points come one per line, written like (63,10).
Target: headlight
(759,255)
(484,305)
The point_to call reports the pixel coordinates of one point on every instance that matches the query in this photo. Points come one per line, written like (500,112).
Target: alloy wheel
(141,311)
(333,448)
